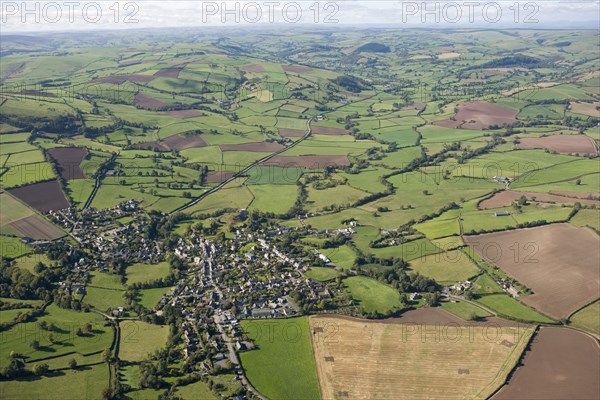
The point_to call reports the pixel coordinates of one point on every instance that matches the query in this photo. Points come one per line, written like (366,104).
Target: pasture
(283,365)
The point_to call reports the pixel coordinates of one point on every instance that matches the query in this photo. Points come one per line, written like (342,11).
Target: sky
(39,16)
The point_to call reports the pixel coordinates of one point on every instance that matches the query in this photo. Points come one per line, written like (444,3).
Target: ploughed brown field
(416,106)
(119,79)
(218,176)
(37,228)
(507,197)
(287,132)
(298,69)
(479,115)
(253,68)
(561,364)
(581,107)
(169,72)
(566,144)
(175,142)
(68,160)
(183,113)
(254,147)
(149,103)
(426,354)
(558,262)
(321,130)
(43,196)
(309,162)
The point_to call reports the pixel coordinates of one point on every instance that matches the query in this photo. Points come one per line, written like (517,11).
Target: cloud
(18,16)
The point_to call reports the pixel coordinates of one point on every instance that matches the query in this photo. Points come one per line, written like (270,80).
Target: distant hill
(372,48)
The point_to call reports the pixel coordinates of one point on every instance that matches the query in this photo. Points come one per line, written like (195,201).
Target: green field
(322,274)
(371,295)
(138,339)
(283,365)
(464,310)
(138,273)
(511,308)
(449,267)
(588,318)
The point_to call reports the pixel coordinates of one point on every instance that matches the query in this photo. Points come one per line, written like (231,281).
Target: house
(261,313)
(415,296)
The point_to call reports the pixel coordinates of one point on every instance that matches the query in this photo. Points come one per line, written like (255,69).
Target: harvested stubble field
(287,132)
(253,68)
(298,69)
(561,364)
(547,260)
(183,114)
(309,162)
(69,160)
(218,176)
(506,198)
(430,356)
(175,142)
(149,103)
(321,130)
(565,144)
(479,115)
(43,196)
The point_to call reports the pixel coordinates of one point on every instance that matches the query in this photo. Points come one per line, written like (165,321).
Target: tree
(40,369)
(578,182)
(35,345)
(72,363)
(106,355)
(87,328)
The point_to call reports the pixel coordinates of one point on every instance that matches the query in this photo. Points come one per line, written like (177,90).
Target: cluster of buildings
(107,240)
(248,277)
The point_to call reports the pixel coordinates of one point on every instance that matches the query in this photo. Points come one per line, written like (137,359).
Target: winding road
(244,171)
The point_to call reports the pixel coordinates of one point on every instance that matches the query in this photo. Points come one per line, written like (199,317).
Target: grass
(486,285)
(511,308)
(372,295)
(342,256)
(138,339)
(18,338)
(12,247)
(196,390)
(589,218)
(282,366)
(322,274)
(449,267)
(588,318)
(150,297)
(141,272)
(277,199)
(105,291)
(83,383)
(464,310)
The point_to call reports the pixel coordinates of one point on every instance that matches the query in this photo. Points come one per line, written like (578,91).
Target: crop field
(283,365)
(364,359)
(547,260)
(561,363)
